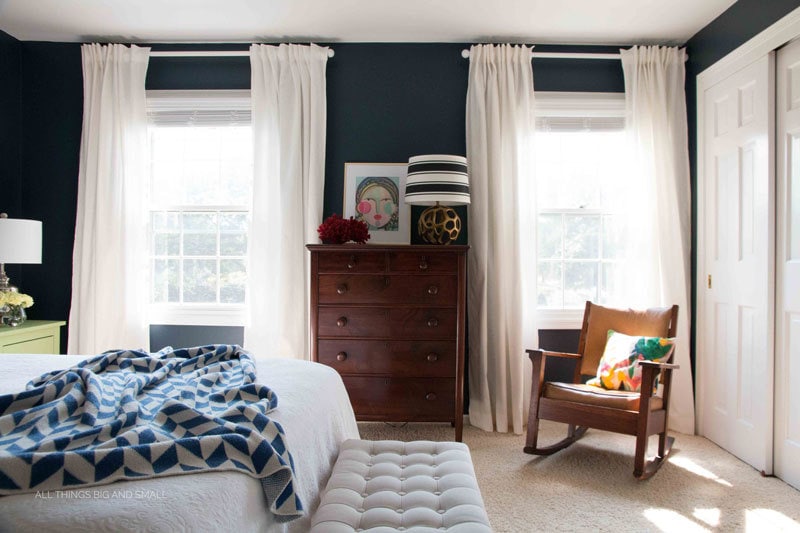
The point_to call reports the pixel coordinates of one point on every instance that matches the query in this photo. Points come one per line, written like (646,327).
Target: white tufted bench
(418,487)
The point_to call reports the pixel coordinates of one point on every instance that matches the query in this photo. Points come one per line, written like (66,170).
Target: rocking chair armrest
(659,366)
(547,353)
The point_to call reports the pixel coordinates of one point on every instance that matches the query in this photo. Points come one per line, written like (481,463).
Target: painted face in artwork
(376,206)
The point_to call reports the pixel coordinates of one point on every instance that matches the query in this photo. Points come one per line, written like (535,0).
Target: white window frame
(180,106)
(594,106)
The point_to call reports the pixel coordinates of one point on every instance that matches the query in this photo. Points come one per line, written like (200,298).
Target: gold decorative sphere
(439,225)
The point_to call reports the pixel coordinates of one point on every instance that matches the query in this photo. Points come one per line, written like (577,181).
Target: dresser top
(30,325)
(353,247)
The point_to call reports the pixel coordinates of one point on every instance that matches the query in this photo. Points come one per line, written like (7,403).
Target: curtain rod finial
(465,53)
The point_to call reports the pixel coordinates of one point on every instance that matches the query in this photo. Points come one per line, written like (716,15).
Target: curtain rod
(561,55)
(211,53)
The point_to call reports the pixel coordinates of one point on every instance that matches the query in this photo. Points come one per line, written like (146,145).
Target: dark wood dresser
(390,319)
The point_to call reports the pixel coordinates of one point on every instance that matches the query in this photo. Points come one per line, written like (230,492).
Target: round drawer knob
(433,322)
(432,357)
(351,264)
(341,289)
(423,263)
(341,356)
(430,396)
(433,290)
(342,322)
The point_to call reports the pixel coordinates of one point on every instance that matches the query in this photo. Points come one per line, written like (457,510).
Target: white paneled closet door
(736,264)
(787,318)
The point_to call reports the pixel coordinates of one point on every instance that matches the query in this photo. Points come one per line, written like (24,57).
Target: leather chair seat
(589,394)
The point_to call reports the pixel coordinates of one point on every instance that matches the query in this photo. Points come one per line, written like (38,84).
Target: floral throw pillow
(618,368)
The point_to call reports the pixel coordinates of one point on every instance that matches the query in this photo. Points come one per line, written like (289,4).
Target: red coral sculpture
(338,230)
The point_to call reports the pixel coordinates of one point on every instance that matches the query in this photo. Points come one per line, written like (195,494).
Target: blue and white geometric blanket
(133,415)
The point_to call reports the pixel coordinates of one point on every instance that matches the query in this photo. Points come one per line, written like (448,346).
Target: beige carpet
(590,486)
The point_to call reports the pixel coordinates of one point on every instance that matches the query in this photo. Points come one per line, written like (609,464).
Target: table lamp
(20,243)
(438,181)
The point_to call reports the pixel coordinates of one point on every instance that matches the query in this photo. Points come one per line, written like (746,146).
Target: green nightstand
(33,336)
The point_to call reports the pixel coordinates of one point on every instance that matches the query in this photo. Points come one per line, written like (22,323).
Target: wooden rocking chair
(641,414)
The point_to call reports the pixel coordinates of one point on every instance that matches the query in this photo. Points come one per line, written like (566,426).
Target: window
(201,171)
(580,179)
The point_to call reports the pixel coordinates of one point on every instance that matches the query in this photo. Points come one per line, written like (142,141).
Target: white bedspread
(313,408)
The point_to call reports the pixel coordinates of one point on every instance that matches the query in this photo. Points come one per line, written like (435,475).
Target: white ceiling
(529,21)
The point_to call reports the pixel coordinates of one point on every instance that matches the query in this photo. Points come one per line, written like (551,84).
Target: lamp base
(439,224)
(5,285)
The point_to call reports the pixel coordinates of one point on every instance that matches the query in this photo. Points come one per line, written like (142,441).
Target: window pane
(167,244)
(167,182)
(167,144)
(610,282)
(200,221)
(232,244)
(580,284)
(232,279)
(235,185)
(201,180)
(165,281)
(549,236)
(200,280)
(581,237)
(237,143)
(564,180)
(166,221)
(233,221)
(613,237)
(549,284)
(202,142)
(200,244)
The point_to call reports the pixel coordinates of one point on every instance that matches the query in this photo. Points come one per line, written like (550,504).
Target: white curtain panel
(289,121)
(656,120)
(500,129)
(109,260)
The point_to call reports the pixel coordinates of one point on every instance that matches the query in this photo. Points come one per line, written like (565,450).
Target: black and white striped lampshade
(437,178)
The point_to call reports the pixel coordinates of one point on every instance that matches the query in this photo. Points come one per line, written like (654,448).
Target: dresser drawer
(397,358)
(380,322)
(389,290)
(352,262)
(422,262)
(32,346)
(400,399)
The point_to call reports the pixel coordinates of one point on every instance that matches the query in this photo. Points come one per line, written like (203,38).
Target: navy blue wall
(10,126)
(385,103)
(52,104)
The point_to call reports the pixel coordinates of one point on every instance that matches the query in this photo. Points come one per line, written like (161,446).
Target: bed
(313,409)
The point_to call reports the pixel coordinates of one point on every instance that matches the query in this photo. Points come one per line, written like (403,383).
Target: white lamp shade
(20,241)
(437,178)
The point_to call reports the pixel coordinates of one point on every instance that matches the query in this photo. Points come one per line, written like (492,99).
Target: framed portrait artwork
(373,192)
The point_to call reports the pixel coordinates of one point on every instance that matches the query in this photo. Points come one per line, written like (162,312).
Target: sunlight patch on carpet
(709,516)
(669,521)
(694,468)
(769,520)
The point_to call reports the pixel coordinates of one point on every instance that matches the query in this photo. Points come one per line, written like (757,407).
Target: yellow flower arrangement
(16,299)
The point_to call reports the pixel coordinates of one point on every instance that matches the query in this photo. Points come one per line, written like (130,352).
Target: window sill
(559,318)
(198,315)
